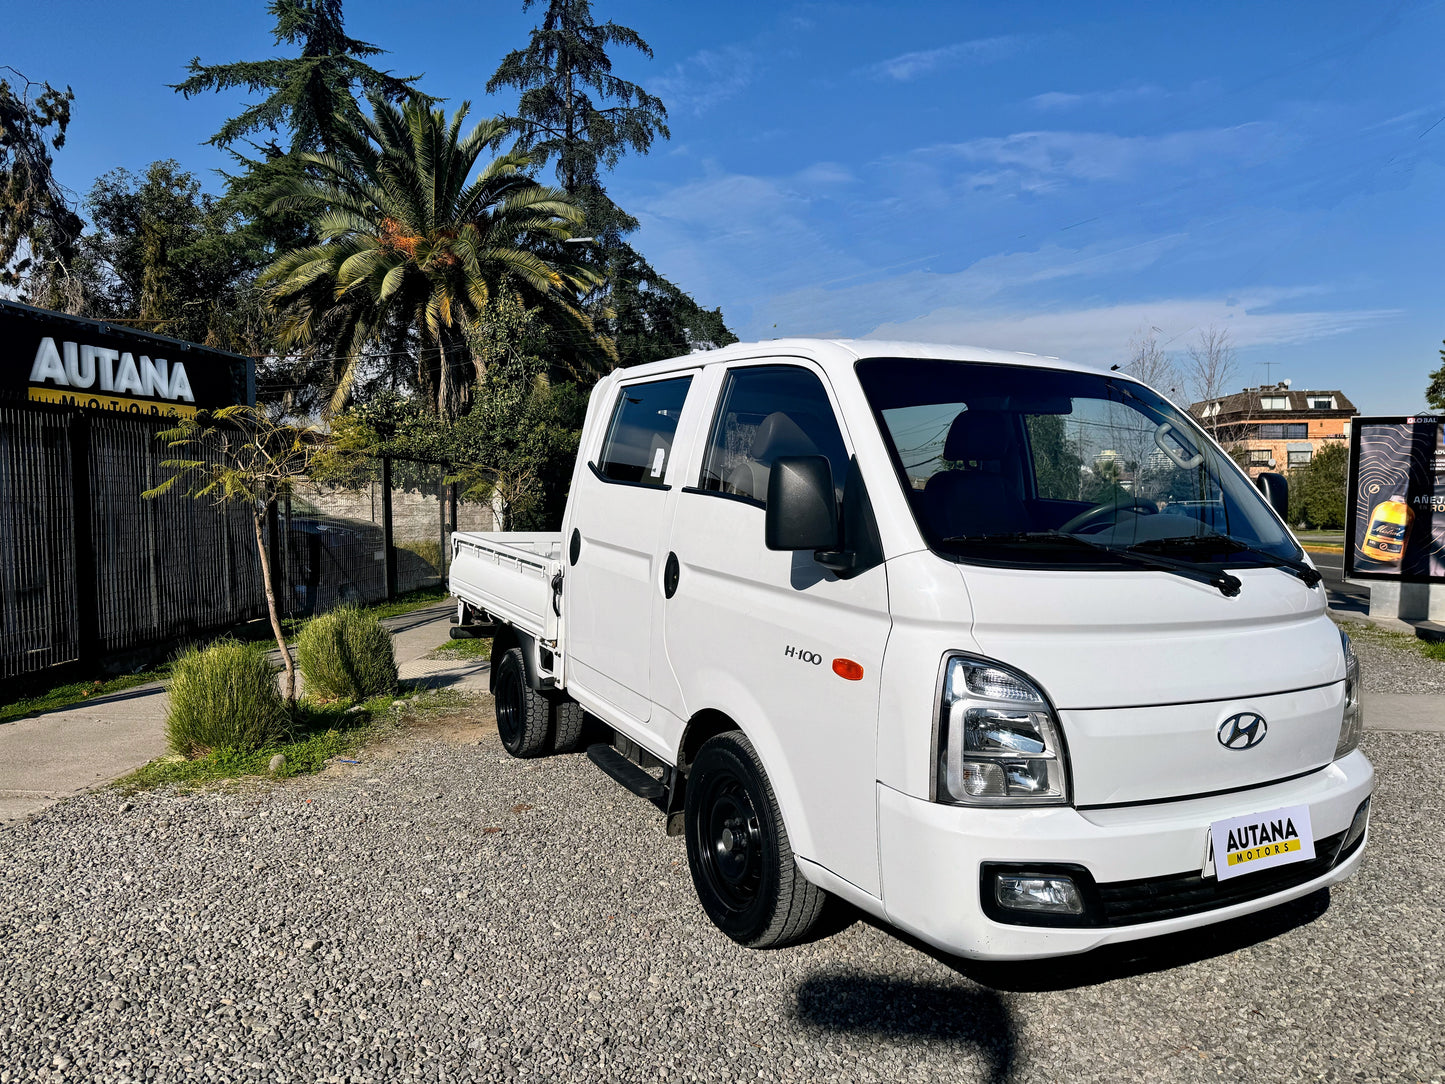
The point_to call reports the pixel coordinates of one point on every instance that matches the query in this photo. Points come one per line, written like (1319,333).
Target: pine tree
(573,110)
(310,94)
(575,114)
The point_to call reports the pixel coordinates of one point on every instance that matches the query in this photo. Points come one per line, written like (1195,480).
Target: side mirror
(802,508)
(1275,488)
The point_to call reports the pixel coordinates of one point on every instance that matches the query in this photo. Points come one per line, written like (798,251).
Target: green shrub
(223,697)
(346,653)
(430,551)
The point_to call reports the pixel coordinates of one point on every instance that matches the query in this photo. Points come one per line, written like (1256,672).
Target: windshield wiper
(1227,585)
(1310,576)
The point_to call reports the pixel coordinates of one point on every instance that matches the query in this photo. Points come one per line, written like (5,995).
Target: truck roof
(828,352)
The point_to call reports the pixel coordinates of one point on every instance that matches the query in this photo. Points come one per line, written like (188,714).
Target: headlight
(1354,720)
(998,740)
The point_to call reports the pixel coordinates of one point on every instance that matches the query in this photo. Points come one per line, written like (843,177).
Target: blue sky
(1052,177)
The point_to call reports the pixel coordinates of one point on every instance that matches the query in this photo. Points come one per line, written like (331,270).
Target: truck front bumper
(933,855)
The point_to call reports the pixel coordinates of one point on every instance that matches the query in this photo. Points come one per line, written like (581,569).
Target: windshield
(1030,466)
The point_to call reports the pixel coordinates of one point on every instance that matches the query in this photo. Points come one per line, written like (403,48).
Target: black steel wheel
(737,848)
(524,717)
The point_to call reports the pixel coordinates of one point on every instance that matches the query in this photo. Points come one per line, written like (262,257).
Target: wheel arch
(505,638)
(709,722)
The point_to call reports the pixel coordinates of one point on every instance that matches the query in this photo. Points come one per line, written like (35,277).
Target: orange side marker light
(847,668)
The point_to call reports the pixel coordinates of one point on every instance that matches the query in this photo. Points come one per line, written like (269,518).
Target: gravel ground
(443,912)
(1387,666)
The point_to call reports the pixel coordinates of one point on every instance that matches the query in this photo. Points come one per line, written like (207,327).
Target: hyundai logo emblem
(1243,731)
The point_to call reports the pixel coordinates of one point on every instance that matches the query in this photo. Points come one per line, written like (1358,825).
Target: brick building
(1274,427)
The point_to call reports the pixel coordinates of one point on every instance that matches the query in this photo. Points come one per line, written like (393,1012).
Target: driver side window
(767,411)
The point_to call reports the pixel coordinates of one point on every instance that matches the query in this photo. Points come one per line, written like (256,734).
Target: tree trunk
(570,183)
(445,396)
(257,518)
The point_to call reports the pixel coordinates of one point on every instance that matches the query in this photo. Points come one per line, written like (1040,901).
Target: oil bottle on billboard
(1389,528)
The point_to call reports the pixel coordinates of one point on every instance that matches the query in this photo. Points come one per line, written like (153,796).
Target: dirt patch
(468,724)
(476,722)
(472,723)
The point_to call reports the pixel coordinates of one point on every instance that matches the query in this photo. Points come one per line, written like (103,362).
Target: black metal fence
(90,571)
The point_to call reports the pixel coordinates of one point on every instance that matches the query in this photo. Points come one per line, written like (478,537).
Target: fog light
(1357,826)
(1054,895)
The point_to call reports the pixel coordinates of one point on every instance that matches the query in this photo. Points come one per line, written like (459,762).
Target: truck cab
(1003,650)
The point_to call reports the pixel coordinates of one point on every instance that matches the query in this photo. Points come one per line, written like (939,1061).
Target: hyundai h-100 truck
(1003,650)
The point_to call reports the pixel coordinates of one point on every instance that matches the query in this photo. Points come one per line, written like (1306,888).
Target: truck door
(754,633)
(614,525)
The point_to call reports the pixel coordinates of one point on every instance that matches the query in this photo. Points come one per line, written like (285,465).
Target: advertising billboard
(50,357)
(1396,500)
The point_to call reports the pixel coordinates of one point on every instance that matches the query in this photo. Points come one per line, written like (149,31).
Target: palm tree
(413,246)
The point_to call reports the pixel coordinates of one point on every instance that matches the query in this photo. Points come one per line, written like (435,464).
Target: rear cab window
(638,446)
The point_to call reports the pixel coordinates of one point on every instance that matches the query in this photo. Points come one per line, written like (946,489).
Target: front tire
(524,717)
(737,849)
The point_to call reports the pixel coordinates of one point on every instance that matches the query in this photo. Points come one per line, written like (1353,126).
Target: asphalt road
(443,912)
(1348,597)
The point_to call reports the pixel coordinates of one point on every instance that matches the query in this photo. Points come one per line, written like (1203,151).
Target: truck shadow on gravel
(902,1010)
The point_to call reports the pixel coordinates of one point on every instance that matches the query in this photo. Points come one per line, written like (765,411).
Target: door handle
(670,572)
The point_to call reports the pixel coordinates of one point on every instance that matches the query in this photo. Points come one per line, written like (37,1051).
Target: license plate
(1260,841)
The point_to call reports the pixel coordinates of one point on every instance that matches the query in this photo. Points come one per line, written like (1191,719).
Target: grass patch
(467,650)
(1368,633)
(320,732)
(412,600)
(77,692)
(428,550)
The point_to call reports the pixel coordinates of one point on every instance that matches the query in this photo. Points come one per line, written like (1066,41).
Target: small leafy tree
(170,258)
(515,444)
(262,456)
(1435,391)
(1057,461)
(1317,490)
(38,226)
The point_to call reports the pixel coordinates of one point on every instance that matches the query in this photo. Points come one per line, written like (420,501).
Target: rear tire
(737,849)
(524,717)
(567,720)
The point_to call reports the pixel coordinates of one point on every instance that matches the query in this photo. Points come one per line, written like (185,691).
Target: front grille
(1127,903)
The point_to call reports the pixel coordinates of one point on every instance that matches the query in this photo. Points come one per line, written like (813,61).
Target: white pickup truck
(1003,650)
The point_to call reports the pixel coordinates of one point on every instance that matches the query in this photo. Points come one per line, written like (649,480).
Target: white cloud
(861,299)
(706,78)
(821,174)
(729,234)
(909,66)
(1041,160)
(1059,100)
(1099,334)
